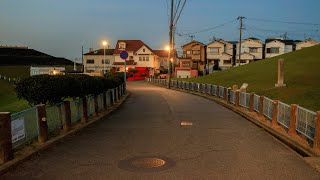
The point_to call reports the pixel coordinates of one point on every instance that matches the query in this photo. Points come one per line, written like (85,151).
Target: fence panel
(55,116)
(306,122)
(90,104)
(30,118)
(256,103)
(284,111)
(197,87)
(100,102)
(183,84)
(247,100)
(208,88)
(203,88)
(187,85)
(232,97)
(242,99)
(192,86)
(76,110)
(221,89)
(214,90)
(268,107)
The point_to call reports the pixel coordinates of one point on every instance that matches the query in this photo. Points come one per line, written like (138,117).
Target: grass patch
(302,76)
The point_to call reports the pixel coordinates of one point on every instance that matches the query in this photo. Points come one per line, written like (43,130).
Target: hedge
(46,89)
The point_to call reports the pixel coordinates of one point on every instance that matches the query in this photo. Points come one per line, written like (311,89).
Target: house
(46,70)
(194,55)
(94,61)
(251,50)
(220,54)
(276,47)
(306,43)
(140,55)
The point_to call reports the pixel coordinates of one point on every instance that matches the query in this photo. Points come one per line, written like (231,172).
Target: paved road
(219,145)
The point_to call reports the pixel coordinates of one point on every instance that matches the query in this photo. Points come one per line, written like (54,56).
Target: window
(185,64)
(140,58)
(144,58)
(147,58)
(226,61)
(143,50)
(122,45)
(253,50)
(90,61)
(196,52)
(188,52)
(107,61)
(273,50)
(214,50)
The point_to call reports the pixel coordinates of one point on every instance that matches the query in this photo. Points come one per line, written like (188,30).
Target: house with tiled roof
(97,60)
(140,55)
(249,47)
(276,46)
(220,54)
(306,43)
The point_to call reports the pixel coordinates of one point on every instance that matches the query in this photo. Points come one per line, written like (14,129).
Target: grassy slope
(8,99)
(302,76)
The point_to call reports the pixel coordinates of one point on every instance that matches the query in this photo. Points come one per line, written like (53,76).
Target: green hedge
(46,89)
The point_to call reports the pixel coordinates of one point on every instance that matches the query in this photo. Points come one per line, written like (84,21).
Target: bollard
(251,103)
(6,151)
(96,107)
(84,118)
(237,98)
(316,142)
(67,116)
(293,120)
(42,123)
(274,122)
(261,106)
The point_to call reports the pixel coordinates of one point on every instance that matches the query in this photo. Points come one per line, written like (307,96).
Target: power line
(176,8)
(208,29)
(184,3)
(286,22)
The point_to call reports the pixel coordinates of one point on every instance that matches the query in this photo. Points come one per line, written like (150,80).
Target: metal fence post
(6,151)
(225,93)
(96,107)
(274,122)
(67,116)
(229,97)
(237,98)
(316,143)
(261,106)
(251,103)
(42,123)
(293,120)
(84,117)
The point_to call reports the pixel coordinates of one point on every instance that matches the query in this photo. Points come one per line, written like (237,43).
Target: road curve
(219,145)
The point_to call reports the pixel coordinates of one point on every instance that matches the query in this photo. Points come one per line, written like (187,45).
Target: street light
(104,43)
(169,65)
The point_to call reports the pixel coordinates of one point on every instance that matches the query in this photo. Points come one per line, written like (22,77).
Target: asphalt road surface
(218,145)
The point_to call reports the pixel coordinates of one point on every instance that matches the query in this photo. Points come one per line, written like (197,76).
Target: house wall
(245,47)
(307,43)
(275,44)
(97,66)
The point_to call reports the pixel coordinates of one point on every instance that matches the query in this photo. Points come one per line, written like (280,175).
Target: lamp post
(104,43)
(169,66)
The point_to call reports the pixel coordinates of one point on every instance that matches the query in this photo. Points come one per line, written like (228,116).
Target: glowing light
(167,48)
(104,43)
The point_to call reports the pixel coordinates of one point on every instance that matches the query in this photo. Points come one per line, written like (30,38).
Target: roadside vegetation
(301,75)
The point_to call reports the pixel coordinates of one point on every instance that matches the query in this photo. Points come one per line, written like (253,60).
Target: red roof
(131,45)
(161,53)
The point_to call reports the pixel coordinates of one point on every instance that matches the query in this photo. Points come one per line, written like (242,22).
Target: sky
(61,27)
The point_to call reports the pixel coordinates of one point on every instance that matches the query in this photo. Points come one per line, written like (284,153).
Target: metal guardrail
(256,103)
(208,87)
(284,111)
(232,97)
(268,107)
(214,90)
(306,122)
(221,89)
(242,99)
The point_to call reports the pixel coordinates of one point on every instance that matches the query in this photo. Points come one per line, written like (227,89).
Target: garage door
(183,74)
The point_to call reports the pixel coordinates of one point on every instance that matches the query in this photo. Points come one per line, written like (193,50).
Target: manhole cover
(146,164)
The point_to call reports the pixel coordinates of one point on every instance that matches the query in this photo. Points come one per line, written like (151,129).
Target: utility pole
(82,58)
(191,37)
(285,36)
(171,43)
(241,27)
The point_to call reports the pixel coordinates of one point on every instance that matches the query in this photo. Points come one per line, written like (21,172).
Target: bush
(46,89)
(143,74)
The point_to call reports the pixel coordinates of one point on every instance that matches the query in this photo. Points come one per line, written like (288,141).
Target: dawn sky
(60,27)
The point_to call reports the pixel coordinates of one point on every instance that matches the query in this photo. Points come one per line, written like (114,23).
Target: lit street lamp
(104,43)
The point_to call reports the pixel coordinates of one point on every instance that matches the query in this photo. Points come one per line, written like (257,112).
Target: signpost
(124,55)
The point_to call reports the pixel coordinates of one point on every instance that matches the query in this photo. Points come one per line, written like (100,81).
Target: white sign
(17,130)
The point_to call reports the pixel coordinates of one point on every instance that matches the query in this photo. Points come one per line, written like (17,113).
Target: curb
(300,148)
(40,147)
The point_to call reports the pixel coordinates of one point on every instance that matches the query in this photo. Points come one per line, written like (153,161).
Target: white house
(94,60)
(306,43)
(140,55)
(250,47)
(46,70)
(276,47)
(220,53)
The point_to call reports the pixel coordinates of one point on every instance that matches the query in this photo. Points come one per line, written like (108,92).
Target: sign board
(17,130)
(124,55)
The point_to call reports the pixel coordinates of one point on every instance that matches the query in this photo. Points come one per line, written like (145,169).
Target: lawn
(301,73)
